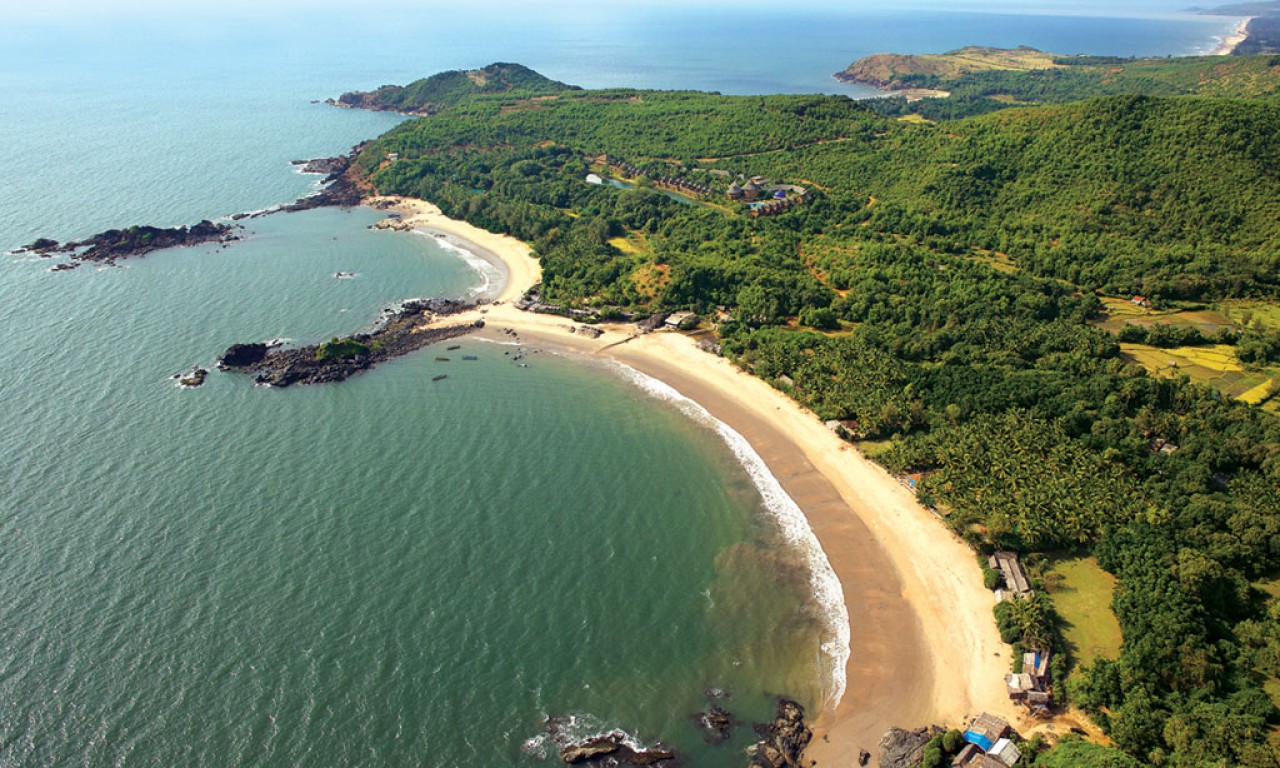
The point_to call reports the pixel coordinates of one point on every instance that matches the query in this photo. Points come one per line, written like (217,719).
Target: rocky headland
(400,332)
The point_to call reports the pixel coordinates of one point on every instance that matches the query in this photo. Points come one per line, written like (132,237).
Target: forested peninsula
(1061,319)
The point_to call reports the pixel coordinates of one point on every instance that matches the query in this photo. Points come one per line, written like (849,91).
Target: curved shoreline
(923,645)
(1228,43)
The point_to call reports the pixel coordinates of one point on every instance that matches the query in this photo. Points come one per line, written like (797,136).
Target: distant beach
(1231,42)
(923,645)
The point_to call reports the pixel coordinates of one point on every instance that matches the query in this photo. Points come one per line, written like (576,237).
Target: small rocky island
(402,331)
(107,247)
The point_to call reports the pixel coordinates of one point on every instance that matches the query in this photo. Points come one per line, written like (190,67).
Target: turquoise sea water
(389,571)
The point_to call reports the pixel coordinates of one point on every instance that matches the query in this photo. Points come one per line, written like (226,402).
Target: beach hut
(1015,578)
(966,756)
(985,730)
(1006,752)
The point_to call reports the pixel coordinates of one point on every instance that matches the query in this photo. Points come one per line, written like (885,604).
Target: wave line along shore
(923,643)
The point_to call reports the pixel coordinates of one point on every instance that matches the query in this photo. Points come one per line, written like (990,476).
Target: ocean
(388,571)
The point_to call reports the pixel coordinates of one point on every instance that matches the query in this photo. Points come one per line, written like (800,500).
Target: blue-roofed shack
(780,194)
(985,730)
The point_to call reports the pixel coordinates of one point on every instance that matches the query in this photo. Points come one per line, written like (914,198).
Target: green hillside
(436,92)
(981,80)
(948,287)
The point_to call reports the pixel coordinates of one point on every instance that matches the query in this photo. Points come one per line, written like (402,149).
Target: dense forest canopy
(940,287)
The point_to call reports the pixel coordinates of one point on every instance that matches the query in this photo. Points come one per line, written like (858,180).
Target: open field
(1121,312)
(1215,366)
(1083,600)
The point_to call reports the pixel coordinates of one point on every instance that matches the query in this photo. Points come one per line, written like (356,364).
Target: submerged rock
(716,724)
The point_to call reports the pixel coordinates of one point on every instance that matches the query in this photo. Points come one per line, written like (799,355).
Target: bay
(387,571)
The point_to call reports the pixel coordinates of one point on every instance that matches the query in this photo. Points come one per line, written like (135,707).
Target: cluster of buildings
(682,185)
(773,198)
(987,745)
(1031,686)
(764,197)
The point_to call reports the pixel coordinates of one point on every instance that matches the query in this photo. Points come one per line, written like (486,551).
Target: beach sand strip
(924,645)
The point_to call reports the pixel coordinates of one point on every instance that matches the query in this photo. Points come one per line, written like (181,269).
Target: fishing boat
(440,376)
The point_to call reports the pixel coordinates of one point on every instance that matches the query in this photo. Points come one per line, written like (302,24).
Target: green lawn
(1083,600)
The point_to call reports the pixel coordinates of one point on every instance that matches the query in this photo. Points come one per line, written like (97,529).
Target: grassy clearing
(994,259)
(913,118)
(651,279)
(634,244)
(1082,597)
(1246,313)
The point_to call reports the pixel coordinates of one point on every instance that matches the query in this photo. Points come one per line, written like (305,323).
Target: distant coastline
(1232,42)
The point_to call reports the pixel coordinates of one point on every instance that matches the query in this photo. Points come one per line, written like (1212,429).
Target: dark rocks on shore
(107,247)
(784,740)
(325,166)
(399,333)
(374,103)
(904,749)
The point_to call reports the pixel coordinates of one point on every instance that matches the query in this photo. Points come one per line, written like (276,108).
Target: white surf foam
(492,277)
(791,520)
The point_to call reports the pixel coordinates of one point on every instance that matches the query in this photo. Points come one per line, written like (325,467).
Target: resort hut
(735,191)
(750,190)
(1015,578)
(780,194)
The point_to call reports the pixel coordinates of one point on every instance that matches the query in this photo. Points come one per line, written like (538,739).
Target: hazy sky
(77,9)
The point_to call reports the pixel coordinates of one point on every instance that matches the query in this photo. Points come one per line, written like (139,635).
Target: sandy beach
(1232,41)
(924,646)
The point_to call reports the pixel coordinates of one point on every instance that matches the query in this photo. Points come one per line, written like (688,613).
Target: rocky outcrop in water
(401,331)
(716,724)
(783,741)
(195,378)
(904,749)
(612,749)
(107,247)
(240,355)
(564,734)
